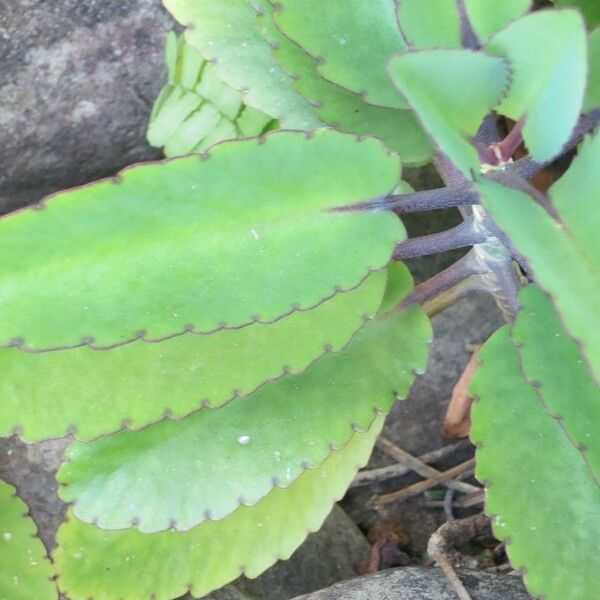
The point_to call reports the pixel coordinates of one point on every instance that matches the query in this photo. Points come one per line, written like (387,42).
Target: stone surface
(420,583)
(76,86)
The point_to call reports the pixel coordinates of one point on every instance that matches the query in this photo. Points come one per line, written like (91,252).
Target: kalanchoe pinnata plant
(223,332)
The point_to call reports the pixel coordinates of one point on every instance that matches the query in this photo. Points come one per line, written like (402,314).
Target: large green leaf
(225,33)
(25,571)
(246,233)
(177,474)
(90,393)
(110,565)
(592,97)
(398,129)
(451,91)
(589,8)
(547,87)
(352,40)
(196,109)
(537,427)
(561,246)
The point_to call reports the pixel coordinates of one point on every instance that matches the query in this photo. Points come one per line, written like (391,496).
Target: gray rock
(76,87)
(420,583)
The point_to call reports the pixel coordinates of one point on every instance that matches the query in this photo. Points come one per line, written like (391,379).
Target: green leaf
(547,86)
(44,395)
(430,24)
(536,425)
(561,247)
(225,33)
(110,565)
(246,233)
(451,91)
(592,97)
(196,109)
(176,474)
(589,8)
(488,17)
(25,571)
(352,40)
(398,129)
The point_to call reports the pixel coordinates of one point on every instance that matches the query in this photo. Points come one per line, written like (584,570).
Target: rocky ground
(76,85)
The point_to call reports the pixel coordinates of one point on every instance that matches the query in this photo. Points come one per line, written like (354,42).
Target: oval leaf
(536,425)
(177,474)
(439,85)
(25,571)
(352,41)
(110,565)
(45,395)
(248,234)
(546,87)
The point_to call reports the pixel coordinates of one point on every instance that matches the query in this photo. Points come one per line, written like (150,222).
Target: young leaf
(225,33)
(352,41)
(246,233)
(25,571)
(176,474)
(44,394)
(451,91)
(196,109)
(398,129)
(547,86)
(561,246)
(538,452)
(110,565)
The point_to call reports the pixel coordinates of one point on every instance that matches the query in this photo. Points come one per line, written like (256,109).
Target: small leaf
(561,246)
(592,97)
(398,129)
(25,571)
(249,233)
(110,565)
(44,394)
(352,40)
(176,474)
(536,403)
(225,33)
(488,17)
(196,109)
(547,86)
(451,91)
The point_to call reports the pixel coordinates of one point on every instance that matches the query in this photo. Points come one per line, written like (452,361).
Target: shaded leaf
(547,86)
(451,91)
(25,571)
(561,247)
(592,97)
(352,40)
(196,105)
(536,404)
(110,565)
(46,395)
(225,33)
(177,474)
(398,129)
(589,8)
(248,233)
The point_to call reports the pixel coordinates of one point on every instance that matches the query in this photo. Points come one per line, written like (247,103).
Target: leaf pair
(536,426)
